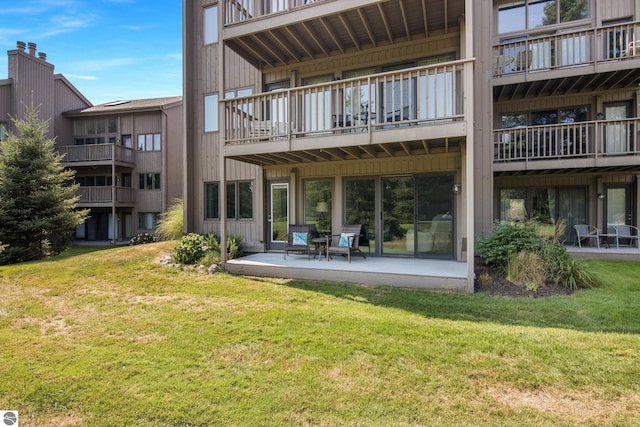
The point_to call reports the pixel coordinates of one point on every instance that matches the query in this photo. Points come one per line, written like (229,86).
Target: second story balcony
(270,33)
(95,154)
(583,145)
(104,196)
(555,64)
(399,113)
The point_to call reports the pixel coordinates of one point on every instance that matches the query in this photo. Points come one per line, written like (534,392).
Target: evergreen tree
(38,212)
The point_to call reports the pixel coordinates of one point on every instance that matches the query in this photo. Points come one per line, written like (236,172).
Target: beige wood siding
(617,9)
(148,201)
(66,100)
(174,154)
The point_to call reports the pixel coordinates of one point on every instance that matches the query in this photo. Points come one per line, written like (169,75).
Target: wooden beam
(424,18)
(280,41)
(267,47)
(350,31)
(257,54)
(332,33)
(385,21)
(403,12)
(298,40)
(365,22)
(315,38)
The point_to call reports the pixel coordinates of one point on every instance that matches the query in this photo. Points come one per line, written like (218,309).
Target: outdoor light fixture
(456,188)
(600,196)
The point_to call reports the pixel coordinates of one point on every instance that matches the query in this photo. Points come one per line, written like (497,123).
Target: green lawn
(109,337)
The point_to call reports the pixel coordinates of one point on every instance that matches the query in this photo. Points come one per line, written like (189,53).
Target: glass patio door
(277,214)
(398,216)
(618,206)
(434,214)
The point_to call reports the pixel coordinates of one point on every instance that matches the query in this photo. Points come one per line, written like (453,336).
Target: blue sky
(108,49)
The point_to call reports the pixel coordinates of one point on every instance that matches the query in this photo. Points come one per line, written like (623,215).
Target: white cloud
(79,77)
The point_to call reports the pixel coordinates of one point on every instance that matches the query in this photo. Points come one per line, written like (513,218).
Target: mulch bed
(499,285)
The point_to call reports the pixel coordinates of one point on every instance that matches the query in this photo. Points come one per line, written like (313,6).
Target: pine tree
(38,199)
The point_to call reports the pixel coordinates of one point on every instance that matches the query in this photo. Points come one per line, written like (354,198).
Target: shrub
(171,222)
(574,275)
(233,247)
(142,238)
(507,239)
(189,249)
(527,269)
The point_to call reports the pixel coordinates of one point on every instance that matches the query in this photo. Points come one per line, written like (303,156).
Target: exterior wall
(202,159)
(5,101)
(611,10)
(173,146)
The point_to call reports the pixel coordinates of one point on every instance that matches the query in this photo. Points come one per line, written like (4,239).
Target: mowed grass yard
(108,337)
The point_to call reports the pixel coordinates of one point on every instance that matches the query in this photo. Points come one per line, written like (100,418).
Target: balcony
(588,59)
(402,113)
(103,196)
(90,155)
(610,144)
(270,33)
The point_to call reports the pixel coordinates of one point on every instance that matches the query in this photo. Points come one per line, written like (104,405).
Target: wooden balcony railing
(242,10)
(421,96)
(95,153)
(105,194)
(567,49)
(593,139)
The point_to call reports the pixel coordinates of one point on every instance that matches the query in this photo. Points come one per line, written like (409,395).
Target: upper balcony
(96,154)
(104,196)
(593,59)
(401,113)
(586,145)
(279,32)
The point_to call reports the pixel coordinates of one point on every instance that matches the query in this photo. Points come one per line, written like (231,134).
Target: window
(211,113)
(149,142)
(318,196)
(94,181)
(100,126)
(3,131)
(527,14)
(127,141)
(211,25)
(149,181)
(148,220)
(239,200)
(211,201)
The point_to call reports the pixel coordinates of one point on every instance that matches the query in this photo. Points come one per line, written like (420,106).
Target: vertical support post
(114,220)
(468,191)
(222,127)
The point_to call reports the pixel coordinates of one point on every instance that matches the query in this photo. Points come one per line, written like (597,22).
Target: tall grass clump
(171,225)
(517,249)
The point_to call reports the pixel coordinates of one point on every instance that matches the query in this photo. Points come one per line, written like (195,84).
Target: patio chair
(348,243)
(584,232)
(524,59)
(628,232)
(298,240)
(364,237)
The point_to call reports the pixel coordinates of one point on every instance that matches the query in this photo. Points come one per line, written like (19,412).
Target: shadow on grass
(594,310)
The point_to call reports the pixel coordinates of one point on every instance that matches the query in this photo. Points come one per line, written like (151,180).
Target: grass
(110,337)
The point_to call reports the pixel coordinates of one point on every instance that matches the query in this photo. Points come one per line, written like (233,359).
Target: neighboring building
(128,155)
(425,120)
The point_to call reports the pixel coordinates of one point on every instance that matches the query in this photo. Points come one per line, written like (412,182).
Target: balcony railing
(96,153)
(105,194)
(421,96)
(593,139)
(563,50)
(242,10)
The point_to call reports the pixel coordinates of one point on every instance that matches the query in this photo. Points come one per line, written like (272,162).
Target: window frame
(144,218)
(149,142)
(210,25)
(149,177)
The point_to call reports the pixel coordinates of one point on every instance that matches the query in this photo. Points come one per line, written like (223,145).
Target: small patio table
(322,243)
